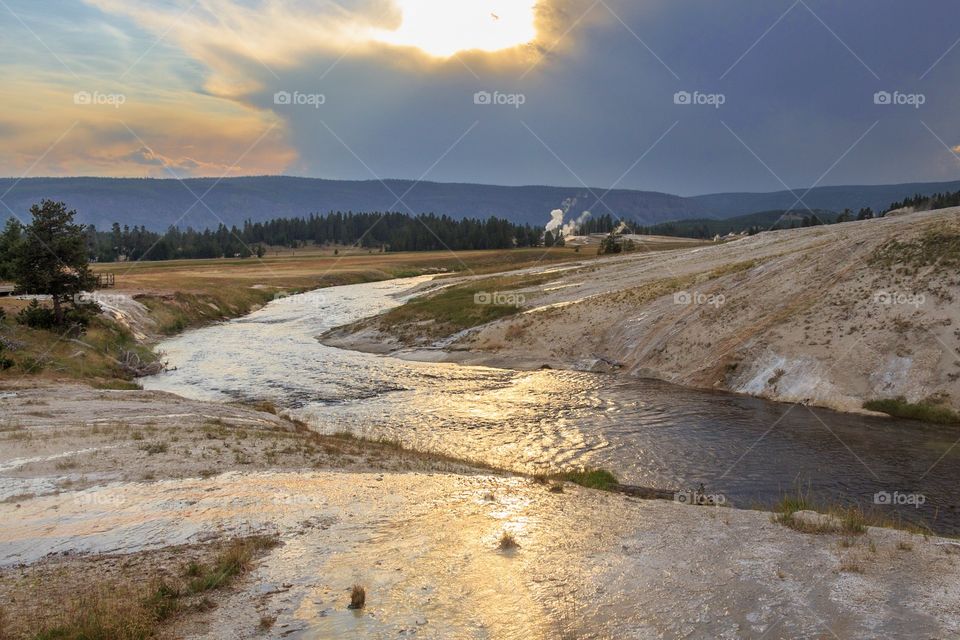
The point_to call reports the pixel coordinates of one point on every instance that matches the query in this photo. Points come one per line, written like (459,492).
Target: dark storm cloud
(686,97)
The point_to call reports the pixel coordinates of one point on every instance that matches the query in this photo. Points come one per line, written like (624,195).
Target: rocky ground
(832,316)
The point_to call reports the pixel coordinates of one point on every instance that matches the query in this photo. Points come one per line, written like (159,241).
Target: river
(747,450)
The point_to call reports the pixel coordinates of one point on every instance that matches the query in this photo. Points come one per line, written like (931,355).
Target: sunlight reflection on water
(647,432)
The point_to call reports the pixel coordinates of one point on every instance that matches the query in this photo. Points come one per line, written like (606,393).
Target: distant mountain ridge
(159,203)
(877,197)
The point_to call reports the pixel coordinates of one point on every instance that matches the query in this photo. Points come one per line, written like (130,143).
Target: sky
(679,96)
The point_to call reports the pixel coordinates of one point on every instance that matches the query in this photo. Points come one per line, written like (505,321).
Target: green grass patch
(926,411)
(591,478)
(459,307)
(938,247)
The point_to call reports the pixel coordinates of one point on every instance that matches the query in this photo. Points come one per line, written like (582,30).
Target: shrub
(154,447)
(36,317)
(5,362)
(81,314)
(29,364)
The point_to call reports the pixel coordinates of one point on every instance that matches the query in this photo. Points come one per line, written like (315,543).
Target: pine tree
(52,258)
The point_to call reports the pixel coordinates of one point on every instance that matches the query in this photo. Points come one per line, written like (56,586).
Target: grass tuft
(850,565)
(236,559)
(358,597)
(838,519)
(266,623)
(507,542)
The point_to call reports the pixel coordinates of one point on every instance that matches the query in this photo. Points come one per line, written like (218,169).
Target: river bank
(834,316)
(155,300)
(128,485)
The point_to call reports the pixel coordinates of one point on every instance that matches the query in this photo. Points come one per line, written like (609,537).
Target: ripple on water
(647,432)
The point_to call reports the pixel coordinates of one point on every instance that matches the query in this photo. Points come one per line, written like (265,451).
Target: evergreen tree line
(928,203)
(602,224)
(381,231)
(707,229)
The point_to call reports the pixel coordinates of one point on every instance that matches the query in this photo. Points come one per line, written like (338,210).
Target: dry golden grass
(310,269)
(121,597)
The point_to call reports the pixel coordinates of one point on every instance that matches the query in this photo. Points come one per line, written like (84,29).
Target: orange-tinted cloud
(211,112)
(116,134)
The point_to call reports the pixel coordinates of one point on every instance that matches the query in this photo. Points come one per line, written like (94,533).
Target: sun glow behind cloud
(444,27)
(198,77)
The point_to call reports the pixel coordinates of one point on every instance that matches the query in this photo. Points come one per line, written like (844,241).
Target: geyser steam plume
(556,219)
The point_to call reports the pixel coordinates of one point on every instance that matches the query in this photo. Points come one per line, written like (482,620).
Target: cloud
(173,167)
(243,43)
(598,80)
(182,134)
(203,75)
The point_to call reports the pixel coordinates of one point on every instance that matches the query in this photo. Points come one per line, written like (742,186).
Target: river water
(748,450)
